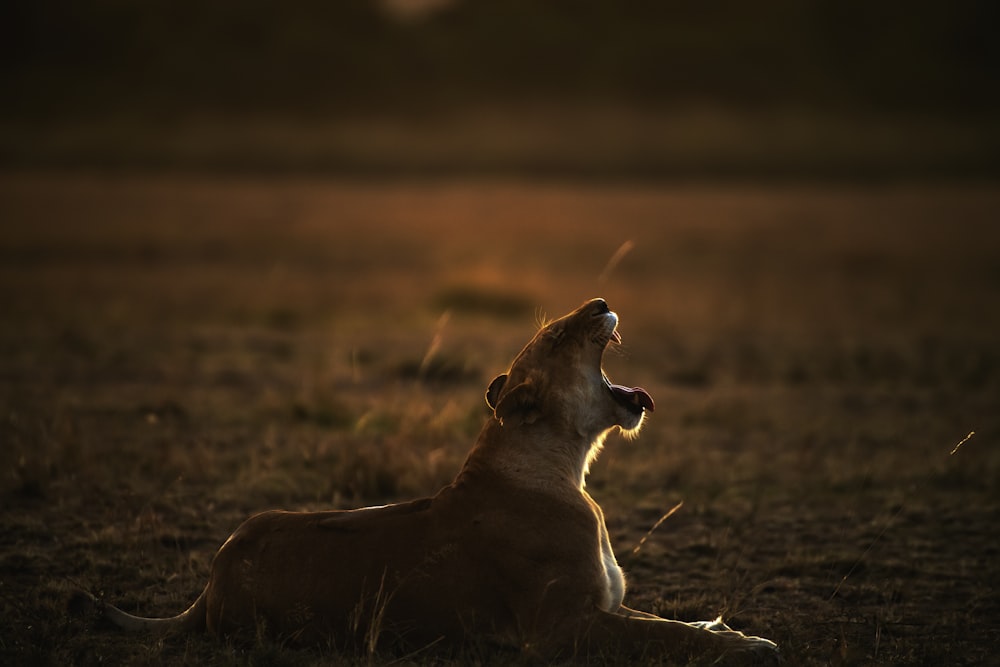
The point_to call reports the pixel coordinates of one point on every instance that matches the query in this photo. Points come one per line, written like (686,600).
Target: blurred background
(779,88)
(268,254)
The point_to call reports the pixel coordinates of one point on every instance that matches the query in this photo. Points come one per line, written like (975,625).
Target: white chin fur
(632,423)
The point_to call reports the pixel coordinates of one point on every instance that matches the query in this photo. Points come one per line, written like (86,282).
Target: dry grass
(178,354)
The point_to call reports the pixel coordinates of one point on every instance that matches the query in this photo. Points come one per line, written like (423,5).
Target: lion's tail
(191,620)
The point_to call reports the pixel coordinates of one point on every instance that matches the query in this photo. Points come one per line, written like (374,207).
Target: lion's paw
(744,649)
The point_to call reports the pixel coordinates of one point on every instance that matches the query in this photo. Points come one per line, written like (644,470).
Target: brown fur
(514,551)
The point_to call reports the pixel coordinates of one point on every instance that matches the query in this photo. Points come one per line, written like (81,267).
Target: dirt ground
(179,353)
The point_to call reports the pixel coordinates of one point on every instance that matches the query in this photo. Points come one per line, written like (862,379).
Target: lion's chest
(614,580)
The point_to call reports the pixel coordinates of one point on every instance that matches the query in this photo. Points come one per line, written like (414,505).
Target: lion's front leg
(628,612)
(717,625)
(639,634)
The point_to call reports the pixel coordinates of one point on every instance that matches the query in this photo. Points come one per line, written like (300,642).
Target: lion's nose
(600,306)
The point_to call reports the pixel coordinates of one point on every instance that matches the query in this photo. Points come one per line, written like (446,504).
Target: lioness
(513,552)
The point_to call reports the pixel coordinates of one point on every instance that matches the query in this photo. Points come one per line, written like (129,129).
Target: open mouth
(636,399)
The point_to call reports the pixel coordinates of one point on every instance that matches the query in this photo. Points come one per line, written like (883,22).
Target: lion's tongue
(634,395)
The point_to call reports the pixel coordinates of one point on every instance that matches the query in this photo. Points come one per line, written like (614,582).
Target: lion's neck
(534,457)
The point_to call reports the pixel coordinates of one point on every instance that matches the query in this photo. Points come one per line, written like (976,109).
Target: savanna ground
(179,353)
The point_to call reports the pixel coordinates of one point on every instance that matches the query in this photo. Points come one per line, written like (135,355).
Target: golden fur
(513,552)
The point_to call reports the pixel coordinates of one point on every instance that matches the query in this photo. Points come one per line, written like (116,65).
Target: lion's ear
(519,404)
(493,392)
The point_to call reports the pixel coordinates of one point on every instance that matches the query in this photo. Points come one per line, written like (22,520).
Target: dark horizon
(827,89)
(62,58)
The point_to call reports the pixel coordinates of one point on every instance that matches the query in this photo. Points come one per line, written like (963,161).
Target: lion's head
(557,379)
